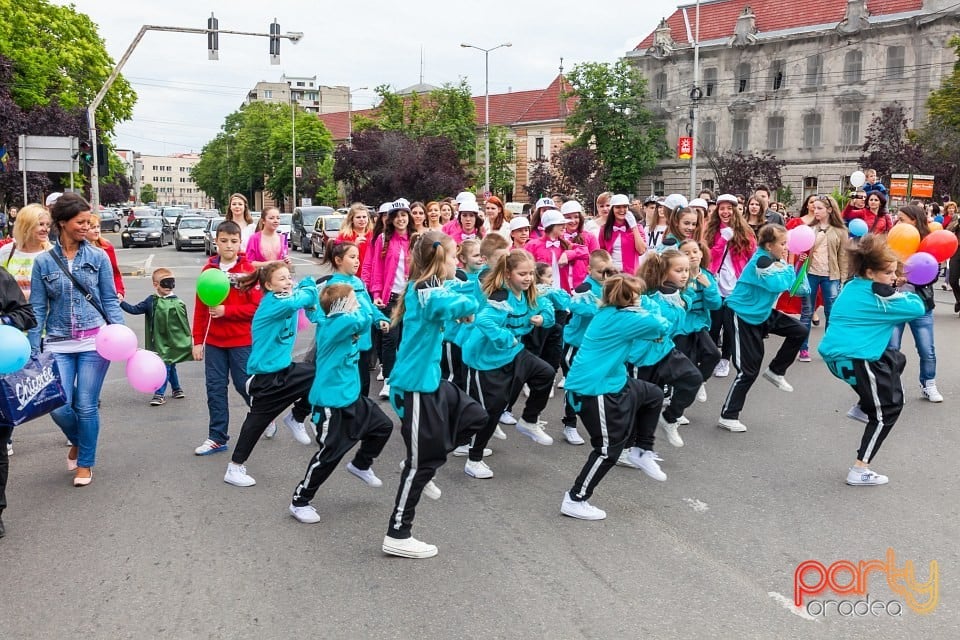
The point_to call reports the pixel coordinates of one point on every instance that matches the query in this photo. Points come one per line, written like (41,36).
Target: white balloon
(857,179)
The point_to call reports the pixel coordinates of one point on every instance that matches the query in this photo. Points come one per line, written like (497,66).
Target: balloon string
(207,332)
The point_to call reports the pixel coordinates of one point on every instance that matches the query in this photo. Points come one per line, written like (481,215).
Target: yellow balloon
(904,239)
(934,226)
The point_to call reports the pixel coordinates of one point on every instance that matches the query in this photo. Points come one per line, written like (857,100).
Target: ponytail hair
(428,259)
(260,276)
(871,252)
(336,250)
(654,269)
(621,290)
(508,264)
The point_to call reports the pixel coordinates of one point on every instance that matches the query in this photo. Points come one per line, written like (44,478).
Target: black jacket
(14,308)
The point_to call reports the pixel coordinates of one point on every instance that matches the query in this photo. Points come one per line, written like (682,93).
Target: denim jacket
(60,308)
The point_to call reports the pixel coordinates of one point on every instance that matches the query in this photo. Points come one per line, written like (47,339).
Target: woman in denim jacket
(71,323)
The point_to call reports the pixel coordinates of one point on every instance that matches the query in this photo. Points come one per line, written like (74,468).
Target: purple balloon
(921,268)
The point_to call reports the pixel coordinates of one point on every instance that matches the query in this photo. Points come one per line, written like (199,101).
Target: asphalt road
(159,546)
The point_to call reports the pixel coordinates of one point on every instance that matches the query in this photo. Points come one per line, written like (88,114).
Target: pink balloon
(800,239)
(146,371)
(302,321)
(116,342)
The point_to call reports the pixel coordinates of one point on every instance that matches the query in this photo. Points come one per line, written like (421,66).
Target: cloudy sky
(183,97)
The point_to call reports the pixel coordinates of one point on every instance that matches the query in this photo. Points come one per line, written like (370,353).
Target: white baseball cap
(570,207)
(552,217)
(53,197)
(385,207)
(619,200)
(732,199)
(545,203)
(699,202)
(469,206)
(400,204)
(674,200)
(463,196)
(520,222)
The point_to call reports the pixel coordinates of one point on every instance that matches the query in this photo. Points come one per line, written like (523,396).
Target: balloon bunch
(145,370)
(921,258)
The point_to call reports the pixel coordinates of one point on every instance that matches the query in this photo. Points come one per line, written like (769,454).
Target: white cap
(400,204)
(618,200)
(469,206)
(674,200)
(571,206)
(53,197)
(728,198)
(551,218)
(520,222)
(463,196)
(545,203)
(699,202)
(385,207)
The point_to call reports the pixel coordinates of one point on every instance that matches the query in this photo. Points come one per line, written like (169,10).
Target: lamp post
(486,83)
(293,148)
(350,115)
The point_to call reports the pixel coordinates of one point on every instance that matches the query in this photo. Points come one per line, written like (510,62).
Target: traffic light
(213,38)
(85,155)
(103,159)
(275,42)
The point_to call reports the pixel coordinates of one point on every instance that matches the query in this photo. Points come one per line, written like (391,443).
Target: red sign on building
(685,148)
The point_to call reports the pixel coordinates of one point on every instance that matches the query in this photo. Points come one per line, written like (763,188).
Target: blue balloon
(938,219)
(858,228)
(14,349)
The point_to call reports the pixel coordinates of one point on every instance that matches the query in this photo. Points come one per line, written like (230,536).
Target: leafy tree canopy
(741,173)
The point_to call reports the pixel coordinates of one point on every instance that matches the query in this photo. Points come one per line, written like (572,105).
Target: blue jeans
(82,377)
(922,330)
(219,363)
(830,290)
(172,378)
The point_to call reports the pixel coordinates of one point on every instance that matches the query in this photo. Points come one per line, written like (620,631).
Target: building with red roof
(800,80)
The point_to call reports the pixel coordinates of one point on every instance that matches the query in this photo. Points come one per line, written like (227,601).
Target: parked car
(110,221)
(286,221)
(140,212)
(325,229)
(210,236)
(301,226)
(170,214)
(150,231)
(210,213)
(190,232)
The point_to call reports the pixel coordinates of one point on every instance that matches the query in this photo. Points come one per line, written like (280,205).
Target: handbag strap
(79,287)
(13,248)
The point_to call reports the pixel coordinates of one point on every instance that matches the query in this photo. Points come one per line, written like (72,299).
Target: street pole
(293,147)
(486,83)
(696,106)
(293,36)
(350,115)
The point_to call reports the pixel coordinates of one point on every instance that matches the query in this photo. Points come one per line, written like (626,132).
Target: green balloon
(213,286)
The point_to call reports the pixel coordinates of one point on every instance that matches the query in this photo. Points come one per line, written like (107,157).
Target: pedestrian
(275,381)
(418,217)
(435,416)
(574,233)
(12,214)
(31,238)
(468,225)
(621,236)
(466,282)
(496,218)
(953,268)
(547,343)
(684,223)
(238,212)
(221,336)
(433,222)
(616,411)
(350,416)
(555,250)
(749,317)
(98,240)
(856,347)
(693,337)
(519,232)
(267,244)
(358,229)
(166,330)
(73,297)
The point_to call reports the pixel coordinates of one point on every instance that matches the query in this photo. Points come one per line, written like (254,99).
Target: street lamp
(486,83)
(349,116)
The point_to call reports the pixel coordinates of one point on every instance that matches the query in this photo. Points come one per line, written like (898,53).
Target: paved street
(159,546)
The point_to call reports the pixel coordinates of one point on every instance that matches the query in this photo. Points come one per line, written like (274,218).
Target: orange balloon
(904,239)
(935,226)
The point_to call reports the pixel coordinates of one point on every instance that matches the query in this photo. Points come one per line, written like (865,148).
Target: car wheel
(126,245)
(303,245)
(178,247)
(116,227)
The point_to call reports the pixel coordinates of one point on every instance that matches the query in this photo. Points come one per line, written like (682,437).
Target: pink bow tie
(469,236)
(553,243)
(619,228)
(568,236)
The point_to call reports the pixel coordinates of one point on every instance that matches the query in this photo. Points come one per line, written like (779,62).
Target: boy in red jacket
(221,336)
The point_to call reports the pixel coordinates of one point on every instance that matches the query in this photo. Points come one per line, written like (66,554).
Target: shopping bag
(32,392)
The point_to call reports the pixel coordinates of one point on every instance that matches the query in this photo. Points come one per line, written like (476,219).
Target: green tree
(608,116)
(501,162)
(148,194)
(58,57)
(314,146)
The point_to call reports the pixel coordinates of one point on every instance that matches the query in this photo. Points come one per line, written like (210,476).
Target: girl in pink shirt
(554,250)
(621,236)
(465,226)
(390,268)
(572,212)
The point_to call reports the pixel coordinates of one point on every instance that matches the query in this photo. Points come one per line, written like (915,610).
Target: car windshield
(199,223)
(286,218)
(333,224)
(146,223)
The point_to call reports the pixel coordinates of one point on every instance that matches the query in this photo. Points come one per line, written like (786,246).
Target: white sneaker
(507,418)
(380,373)
(702,393)
(9,449)
(477,469)
(367,475)
(271,430)
(385,390)
(731,424)
(408,548)
(563,381)
(778,381)
(683,421)
(464,450)
(647,461)
(722,370)
(571,435)
(534,431)
(930,391)
(862,476)
(209,446)
(297,429)
(526,390)
(670,429)
(626,461)
(582,510)
(856,413)
(237,476)
(551,391)
(499,433)
(306,515)
(430,489)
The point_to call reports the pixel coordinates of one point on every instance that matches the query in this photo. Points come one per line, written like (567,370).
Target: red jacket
(112,255)
(233,329)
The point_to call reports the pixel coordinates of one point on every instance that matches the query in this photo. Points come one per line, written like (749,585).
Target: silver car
(190,233)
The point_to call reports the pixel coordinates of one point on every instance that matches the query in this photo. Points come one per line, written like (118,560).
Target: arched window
(852,67)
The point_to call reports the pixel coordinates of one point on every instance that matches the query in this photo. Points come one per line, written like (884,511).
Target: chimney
(745,31)
(855,17)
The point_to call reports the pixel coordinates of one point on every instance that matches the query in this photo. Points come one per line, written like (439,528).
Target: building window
(811,130)
(708,135)
(814,70)
(706,185)
(896,58)
(743,77)
(850,128)
(658,188)
(778,72)
(710,82)
(741,134)
(267,93)
(852,67)
(660,86)
(538,146)
(300,84)
(775,132)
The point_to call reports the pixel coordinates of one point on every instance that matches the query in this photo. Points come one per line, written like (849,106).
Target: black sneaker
(157,401)
(178,394)
(3,531)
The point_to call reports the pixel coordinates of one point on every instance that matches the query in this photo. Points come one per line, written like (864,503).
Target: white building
(305,92)
(172,179)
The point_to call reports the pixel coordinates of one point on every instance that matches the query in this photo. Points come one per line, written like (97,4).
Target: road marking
(787,604)
(148,264)
(696,505)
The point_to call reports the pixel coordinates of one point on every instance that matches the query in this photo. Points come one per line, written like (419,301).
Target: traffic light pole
(293,37)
